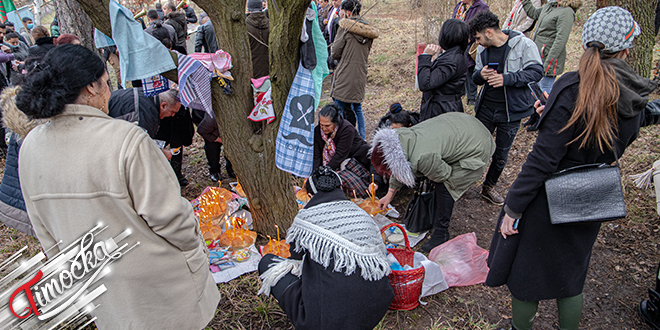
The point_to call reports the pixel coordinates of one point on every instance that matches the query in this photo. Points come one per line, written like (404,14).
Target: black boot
(176,162)
(440,235)
(649,310)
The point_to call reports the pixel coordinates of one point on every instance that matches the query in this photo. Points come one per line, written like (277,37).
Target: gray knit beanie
(254,6)
(613,26)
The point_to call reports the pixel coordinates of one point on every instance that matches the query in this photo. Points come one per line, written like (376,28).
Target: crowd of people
(105,156)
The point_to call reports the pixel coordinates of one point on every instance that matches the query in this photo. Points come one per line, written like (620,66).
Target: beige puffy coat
(83,167)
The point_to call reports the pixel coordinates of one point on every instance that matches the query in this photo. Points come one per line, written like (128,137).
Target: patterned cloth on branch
(155,85)
(195,85)
(140,55)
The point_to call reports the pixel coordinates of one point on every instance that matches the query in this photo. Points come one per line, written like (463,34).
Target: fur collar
(388,140)
(574,4)
(359,27)
(13,118)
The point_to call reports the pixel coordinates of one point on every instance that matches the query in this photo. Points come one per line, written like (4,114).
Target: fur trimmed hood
(13,118)
(574,4)
(359,27)
(388,141)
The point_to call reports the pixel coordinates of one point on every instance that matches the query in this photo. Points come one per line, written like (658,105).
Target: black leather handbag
(420,212)
(586,193)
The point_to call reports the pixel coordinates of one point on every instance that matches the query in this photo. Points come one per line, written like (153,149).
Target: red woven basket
(407,284)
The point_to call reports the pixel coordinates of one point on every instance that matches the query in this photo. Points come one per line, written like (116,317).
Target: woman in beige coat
(82,168)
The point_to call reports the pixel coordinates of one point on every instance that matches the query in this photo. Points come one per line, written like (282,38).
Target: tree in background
(72,19)
(251,149)
(641,55)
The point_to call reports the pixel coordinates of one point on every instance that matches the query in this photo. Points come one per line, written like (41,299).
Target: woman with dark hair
(442,81)
(336,277)
(338,145)
(590,117)
(396,117)
(99,169)
(162,34)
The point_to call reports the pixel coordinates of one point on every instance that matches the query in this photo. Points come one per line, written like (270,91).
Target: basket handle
(405,236)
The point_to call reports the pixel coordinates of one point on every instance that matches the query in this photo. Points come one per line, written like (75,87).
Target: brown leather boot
(489,194)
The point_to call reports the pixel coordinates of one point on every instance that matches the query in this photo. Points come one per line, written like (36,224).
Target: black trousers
(213,150)
(444,205)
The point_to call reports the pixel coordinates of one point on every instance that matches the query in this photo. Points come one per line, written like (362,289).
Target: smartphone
(493,66)
(537,92)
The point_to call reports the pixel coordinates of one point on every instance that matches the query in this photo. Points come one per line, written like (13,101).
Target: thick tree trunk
(72,19)
(269,190)
(641,55)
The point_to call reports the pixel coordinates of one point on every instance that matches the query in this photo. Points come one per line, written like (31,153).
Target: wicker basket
(407,284)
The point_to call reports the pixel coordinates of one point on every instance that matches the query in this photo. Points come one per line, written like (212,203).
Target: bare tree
(252,152)
(641,55)
(72,19)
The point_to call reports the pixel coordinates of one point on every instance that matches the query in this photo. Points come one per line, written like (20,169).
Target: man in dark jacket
(190,14)
(155,22)
(177,19)
(258,27)
(505,64)
(205,40)
(465,10)
(159,10)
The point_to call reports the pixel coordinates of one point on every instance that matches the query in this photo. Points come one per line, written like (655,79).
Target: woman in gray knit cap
(590,115)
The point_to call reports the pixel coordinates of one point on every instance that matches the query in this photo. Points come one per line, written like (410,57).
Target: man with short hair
(205,40)
(154,21)
(26,34)
(506,62)
(159,10)
(9,27)
(177,19)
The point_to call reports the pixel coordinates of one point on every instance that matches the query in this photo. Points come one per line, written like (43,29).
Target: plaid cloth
(294,152)
(195,85)
(155,85)
(355,178)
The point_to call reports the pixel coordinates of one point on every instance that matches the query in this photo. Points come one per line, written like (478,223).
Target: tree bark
(72,19)
(641,55)
(269,190)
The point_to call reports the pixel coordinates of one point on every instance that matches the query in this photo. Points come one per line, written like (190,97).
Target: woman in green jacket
(553,27)
(452,150)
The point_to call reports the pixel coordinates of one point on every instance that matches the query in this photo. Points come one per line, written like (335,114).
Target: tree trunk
(38,4)
(641,55)
(269,190)
(72,19)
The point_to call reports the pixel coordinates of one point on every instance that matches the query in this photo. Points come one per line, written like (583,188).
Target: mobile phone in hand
(493,66)
(537,92)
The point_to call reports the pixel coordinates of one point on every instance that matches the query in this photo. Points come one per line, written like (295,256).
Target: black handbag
(420,212)
(586,193)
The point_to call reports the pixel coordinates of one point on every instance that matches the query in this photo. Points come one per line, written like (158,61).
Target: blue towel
(321,71)
(294,151)
(101,40)
(140,55)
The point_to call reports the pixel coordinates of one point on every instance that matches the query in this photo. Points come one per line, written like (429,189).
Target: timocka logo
(87,261)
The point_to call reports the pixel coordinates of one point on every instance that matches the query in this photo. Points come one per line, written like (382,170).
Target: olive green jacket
(553,27)
(452,148)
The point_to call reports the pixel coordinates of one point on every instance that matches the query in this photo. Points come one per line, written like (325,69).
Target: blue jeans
(546,84)
(506,133)
(353,113)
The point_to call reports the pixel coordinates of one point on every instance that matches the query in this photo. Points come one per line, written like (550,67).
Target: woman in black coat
(336,277)
(539,260)
(442,81)
(347,141)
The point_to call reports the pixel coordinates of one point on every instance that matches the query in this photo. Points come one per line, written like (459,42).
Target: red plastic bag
(462,261)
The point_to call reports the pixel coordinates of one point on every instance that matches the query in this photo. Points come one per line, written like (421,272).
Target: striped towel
(195,85)
(294,150)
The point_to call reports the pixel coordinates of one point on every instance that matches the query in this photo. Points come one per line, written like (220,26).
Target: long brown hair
(597,100)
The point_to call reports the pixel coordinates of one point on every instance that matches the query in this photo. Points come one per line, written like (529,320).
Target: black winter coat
(177,19)
(442,82)
(122,106)
(348,144)
(545,261)
(326,299)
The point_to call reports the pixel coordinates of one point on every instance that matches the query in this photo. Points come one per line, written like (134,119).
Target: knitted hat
(613,26)
(254,6)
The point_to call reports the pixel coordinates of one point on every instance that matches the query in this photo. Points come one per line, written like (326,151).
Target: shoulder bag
(586,193)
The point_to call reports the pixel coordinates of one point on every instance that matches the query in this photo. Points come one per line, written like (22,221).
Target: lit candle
(278,232)
(373,193)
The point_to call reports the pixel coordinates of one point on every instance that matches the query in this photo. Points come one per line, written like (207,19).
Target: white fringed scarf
(339,231)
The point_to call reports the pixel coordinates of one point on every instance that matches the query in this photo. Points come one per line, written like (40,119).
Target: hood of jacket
(358,27)
(258,20)
(178,16)
(12,117)
(574,4)
(634,89)
(387,140)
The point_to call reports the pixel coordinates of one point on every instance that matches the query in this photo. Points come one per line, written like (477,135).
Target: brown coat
(259,30)
(82,168)
(351,48)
